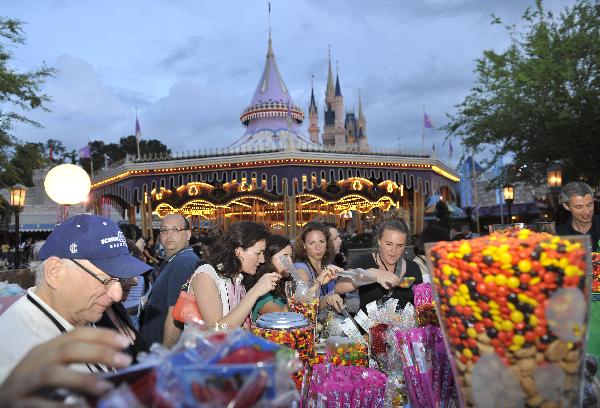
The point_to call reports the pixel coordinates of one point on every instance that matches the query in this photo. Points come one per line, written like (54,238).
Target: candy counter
(504,323)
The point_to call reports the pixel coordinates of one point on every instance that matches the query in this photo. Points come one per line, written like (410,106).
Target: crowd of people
(92,276)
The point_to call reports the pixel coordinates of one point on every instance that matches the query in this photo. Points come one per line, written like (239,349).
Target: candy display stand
(514,309)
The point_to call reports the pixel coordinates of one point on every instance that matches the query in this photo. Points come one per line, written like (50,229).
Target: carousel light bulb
(67,184)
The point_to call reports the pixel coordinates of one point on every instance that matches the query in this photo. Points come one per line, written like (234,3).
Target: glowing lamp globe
(67,184)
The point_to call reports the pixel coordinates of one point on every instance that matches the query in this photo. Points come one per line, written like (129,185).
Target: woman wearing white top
(217,286)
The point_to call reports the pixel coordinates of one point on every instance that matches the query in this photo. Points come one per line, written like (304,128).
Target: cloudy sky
(190,66)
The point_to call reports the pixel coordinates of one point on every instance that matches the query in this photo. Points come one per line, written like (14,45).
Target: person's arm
(171,333)
(209,300)
(45,368)
(271,307)
(179,273)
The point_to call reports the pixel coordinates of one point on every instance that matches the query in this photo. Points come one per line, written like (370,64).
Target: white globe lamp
(67,184)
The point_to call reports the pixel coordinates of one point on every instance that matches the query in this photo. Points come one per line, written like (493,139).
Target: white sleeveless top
(231,293)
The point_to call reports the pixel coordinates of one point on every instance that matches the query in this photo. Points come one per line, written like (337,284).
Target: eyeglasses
(172,229)
(105,281)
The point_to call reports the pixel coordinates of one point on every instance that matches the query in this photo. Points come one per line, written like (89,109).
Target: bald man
(156,323)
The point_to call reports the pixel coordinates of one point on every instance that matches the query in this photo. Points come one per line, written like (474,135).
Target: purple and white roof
(272,116)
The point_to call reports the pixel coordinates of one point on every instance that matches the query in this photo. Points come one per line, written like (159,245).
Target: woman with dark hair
(313,253)
(389,265)
(274,301)
(217,285)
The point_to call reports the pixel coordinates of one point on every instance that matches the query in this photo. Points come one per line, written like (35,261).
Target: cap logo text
(73,248)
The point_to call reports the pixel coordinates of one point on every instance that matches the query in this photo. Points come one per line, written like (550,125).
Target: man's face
(336,239)
(83,298)
(581,208)
(174,238)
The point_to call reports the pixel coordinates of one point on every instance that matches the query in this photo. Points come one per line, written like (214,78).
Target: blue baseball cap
(96,239)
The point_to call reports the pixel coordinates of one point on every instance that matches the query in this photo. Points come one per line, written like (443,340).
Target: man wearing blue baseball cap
(83,264)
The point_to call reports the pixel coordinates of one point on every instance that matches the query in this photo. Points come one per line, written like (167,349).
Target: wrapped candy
(232,368)
(345,386)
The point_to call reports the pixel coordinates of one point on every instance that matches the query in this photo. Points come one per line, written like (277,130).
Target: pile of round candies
(354,354)
(519,296)
(596,272)
(307,308)
(302,339)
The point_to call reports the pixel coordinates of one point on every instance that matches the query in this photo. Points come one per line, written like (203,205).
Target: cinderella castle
(340,131)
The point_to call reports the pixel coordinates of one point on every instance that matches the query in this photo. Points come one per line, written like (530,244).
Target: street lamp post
(554,185)
(17,202)
(508,192)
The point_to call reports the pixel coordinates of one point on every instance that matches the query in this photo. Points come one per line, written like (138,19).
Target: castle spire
(330,86)
(360,110)
(313,104)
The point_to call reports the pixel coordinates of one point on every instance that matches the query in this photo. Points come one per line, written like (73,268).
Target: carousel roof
(272,116)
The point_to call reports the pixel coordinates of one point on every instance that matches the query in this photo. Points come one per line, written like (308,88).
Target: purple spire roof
(272,112)
(271,104)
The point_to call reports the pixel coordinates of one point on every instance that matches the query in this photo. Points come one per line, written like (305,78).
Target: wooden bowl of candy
(514,313)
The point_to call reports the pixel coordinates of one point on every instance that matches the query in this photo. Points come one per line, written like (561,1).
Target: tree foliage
(19,92)
(538,102)
(105,154)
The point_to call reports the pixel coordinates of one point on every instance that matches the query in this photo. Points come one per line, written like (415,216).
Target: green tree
(19,91)
(105,154)
(27,157)
(539,100)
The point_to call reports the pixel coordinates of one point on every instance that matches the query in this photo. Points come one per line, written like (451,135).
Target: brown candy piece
(526,366)
(557,351)
(535,401)
(528,386)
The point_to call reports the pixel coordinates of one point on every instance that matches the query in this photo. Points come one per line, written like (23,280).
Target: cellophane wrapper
(214,369)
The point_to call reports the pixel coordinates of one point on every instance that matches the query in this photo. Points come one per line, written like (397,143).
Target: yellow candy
(524,265)
(507,325)
(468,353)
(464,248)
(446,269)
(533,320)
(513,282)
(471,332)
(488,279)
(463,289)
(500,279)
(516,316)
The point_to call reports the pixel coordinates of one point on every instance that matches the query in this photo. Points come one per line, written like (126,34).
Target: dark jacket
(594,232)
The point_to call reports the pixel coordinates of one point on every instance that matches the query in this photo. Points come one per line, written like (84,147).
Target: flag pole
(91,159)
(138,134)
(476,200)
(423,132)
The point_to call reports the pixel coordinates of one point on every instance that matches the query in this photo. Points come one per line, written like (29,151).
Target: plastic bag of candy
(214,369)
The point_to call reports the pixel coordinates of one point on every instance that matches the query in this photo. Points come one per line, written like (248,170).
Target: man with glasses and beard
(156,322)
(82,265)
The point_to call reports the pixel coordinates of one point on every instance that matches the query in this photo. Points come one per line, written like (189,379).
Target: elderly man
(578,199)
(83,263)
(156,323)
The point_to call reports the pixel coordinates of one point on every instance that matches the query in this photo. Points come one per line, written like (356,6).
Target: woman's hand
(45,368)
(335,301)
(266,283)
(386,279)
(329,273)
